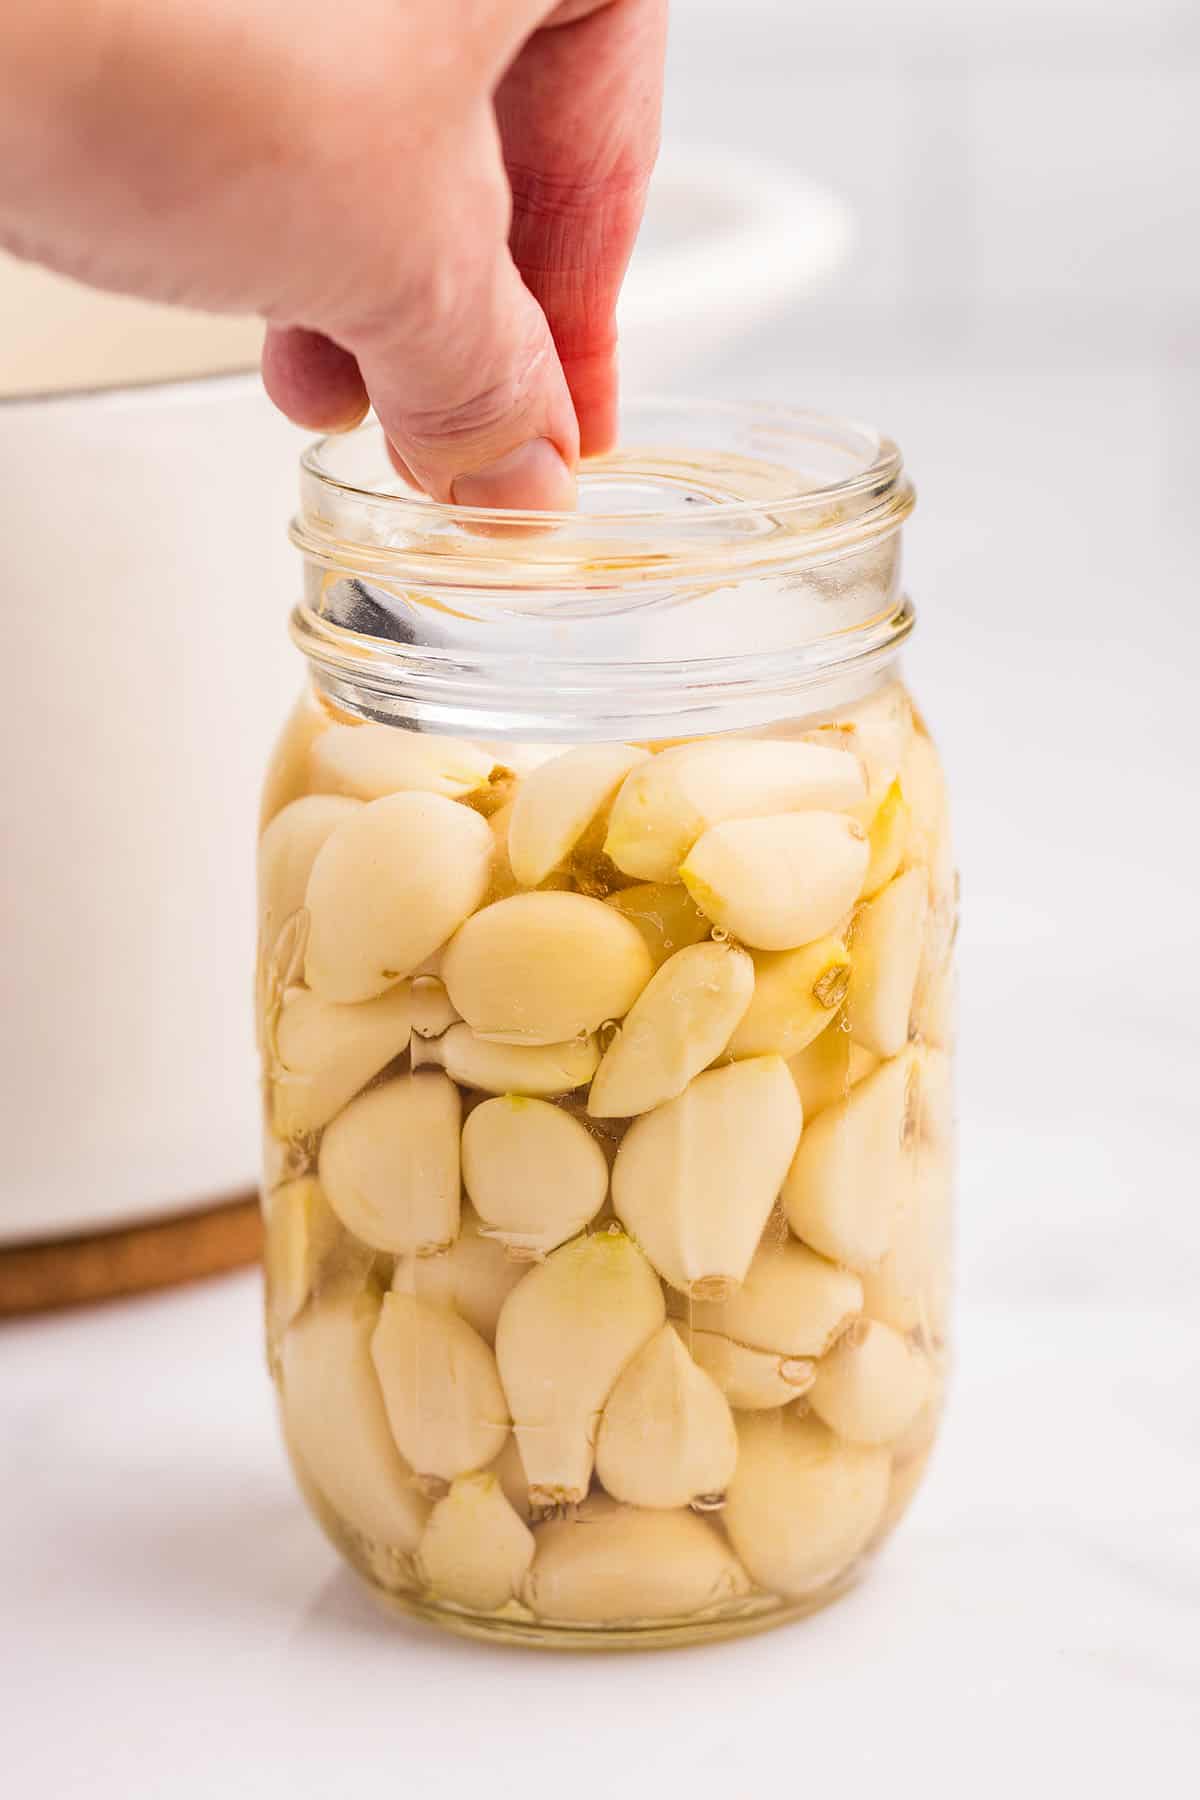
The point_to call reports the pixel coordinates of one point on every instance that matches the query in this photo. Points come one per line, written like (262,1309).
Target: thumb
(457,356)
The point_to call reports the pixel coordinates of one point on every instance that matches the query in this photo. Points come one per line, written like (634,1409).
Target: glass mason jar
(604,995)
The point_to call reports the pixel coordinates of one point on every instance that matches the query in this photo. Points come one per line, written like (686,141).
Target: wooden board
(75,1271)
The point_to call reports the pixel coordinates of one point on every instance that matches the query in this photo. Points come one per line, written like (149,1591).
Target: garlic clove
(287,776)
(778,882)
(287,851)
(300,1230)
(565,1334)
(695,1179)
(667,1435)
(935,1007)
(877,732)
(886,943)
(751,1380)
(475,1552)
(556,803)
(539,1070)
(668,802)
(909,1289)
(473,1277)
(388,886)
(334,1421)
(792,1303)
(923,784)
(935,1106)
(544,968)
(389,1164)
(324,1053)
(535,1174)
(440,1388)
(613,1564)
(802,1505)
(369,761)
(796,995)
(871,1385)
(854,1168)
(902,1491)
(888,837)
(680,1022)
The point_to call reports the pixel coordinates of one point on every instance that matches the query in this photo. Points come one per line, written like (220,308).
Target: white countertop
(174,1624)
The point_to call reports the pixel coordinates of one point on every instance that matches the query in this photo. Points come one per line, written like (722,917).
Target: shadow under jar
(604,995)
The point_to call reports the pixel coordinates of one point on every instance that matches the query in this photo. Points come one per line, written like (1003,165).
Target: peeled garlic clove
(778,882)
(923,784)
(474,1277)
(325,1053)
(544,968)
(888,838)
(335,1422)
(902,1491)
(475,1551)
(287,772)
(668,802)
(801,1505)
(792,1302)
(934,1008)
(370,760)
(910,1288)
(854,1168)
(440,1388)
(535,1174)
(389,1164)
(432,1012)
(611,1564)
(509,1471)
(667,1435)
(796,994)
(540,1070)
(566,1332)
(751,1380)
(871,1385)
(300,1231)
(695,1179)
(886,948)
(877,732)
(557,802)
(389,886)
(918,1437)
(936,1097)
(287,851)
(680,1022)
(665,914)
(825,1072)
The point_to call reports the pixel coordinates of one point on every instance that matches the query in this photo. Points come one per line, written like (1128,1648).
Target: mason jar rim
(767,562)
(879,465)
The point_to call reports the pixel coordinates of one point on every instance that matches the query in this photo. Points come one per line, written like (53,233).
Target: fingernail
(533,476)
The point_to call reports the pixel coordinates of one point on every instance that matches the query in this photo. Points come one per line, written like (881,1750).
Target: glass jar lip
(879,469)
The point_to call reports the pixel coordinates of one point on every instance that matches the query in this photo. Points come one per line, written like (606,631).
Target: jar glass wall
(604,995)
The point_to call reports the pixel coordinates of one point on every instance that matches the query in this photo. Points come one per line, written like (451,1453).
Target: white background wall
(1022,312)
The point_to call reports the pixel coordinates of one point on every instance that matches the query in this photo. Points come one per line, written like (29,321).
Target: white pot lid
(57,337)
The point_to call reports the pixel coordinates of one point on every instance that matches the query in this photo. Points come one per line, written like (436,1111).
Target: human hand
(432,207)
